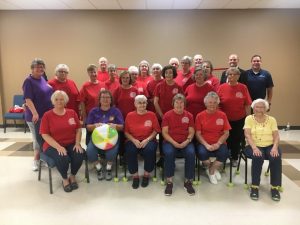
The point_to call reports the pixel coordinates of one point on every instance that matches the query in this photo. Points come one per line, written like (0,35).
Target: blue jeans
(221,154)
(62,162)
(170,155)
(92,152)
(258,161)
(148,153)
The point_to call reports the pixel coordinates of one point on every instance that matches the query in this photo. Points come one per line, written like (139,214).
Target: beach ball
(104,137)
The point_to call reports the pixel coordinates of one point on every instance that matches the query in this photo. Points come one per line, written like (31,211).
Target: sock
(108,167)
(98,166)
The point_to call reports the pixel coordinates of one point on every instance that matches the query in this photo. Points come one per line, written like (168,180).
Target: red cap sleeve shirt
(212,126)
(141,126)
(144,80)
(178,124)
(124,99)
(195,97)
(71,90)
(233,100)
(184,80)
(214,82)
(151,88)
(89,94)
(165,93)
(62,128)
(141,88)
(102,76)
(112,86)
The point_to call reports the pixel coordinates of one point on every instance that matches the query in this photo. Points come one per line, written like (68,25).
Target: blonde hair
(59,92)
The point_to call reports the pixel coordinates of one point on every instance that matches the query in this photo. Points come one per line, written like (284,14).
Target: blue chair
(17,100)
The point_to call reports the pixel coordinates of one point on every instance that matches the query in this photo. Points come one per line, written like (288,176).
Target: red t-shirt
(165,93)
(61,128)
(151,88)
(195,97)
(71,90)
(89,94)
(184,80)
(145,80)
(233,100)
(212,126)
(141,87)
(213,81)
(112,86)
(124,99)
(178,124)
(102,76)
(141,126)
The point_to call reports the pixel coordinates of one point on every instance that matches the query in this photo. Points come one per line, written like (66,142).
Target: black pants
(62,162)
(236,137)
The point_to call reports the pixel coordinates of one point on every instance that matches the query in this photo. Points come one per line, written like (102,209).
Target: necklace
(259,127)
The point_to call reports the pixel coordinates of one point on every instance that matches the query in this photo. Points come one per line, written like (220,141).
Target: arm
(274,150)
(146,141)
(136,142)
(221,140)
(61,150)
(203,141)
(248,110)
(82,110)
(189,137)
(30,105)
(77,146)
(269,94)
(157,107)
(168,138)
(256,151)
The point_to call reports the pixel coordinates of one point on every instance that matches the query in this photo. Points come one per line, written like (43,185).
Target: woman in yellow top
(262,136)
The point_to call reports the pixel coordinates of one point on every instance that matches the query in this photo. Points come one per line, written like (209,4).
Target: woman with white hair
(157,78)
(141,128)
(102,74)
(262,135)
(112,83)
(61,130)
(144,72)
(184,76)
(63,83)
(140,86)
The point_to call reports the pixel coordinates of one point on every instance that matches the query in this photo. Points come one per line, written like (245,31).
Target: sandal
(67,188)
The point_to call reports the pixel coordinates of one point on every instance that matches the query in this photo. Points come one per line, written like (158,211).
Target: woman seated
(212,130)
(61,131)
(262,136)
(178,132)
(105,113)
(141,127)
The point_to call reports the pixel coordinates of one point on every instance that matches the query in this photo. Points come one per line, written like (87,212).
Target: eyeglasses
(156,68)
(141,103)
(62,71)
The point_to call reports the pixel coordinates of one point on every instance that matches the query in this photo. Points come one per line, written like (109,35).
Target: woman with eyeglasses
(63,83)
(104,113)
(184,76)
(140,86)
(157,78)
(211,79)
(141,128)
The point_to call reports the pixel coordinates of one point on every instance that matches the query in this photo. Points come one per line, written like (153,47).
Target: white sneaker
(218,175)
(35,165)
(212,178)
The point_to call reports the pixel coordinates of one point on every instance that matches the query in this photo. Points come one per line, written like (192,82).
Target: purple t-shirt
(97,115)
(39,92)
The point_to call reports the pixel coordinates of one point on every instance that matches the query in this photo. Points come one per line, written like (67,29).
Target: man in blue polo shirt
(260,83)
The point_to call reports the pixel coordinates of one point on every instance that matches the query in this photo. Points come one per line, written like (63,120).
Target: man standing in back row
(260,83)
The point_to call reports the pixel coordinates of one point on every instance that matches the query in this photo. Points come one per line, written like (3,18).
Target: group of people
(193,112)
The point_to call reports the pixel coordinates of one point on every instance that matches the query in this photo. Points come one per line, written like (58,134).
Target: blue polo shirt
(258,83)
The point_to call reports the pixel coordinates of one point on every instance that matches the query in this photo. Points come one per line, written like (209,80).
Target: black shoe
(67,188)
(135,183)
(160,162)
(189,187)
(254,193)
(275,194)
(108,175)
(145,181)
(100,174)
(169,189)
(74,185)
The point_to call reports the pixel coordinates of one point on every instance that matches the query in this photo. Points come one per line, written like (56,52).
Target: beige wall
(78,38)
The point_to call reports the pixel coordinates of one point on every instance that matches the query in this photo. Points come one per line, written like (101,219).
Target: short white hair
(260,100)
(62,66)
(198,56)
(140,98)
(59,92)
(133,69)
(102,59)
(173,60)
(156,65)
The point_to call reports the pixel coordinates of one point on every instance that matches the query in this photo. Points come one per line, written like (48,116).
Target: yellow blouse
(261,132)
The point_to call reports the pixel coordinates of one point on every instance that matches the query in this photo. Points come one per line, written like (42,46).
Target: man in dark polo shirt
(233,62)
(260,83)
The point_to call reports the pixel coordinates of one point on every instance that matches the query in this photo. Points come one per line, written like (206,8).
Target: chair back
(18,100)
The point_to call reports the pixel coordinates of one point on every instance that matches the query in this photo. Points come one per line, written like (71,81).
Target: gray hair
(37,62)
(179,97)
(133,69)
(91,67)
(59,92)
(234,70)
(174,59)
(111,67)
(156,65)
(198,56)
(211,94)
(260,100)
(61,66)
(140,98)
(187,59)
(144,62)
(198,69)
(102,59)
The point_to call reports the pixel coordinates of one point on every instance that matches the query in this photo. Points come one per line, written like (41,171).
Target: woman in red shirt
(61,130)
(141,127)
(178,131)
(211,79)
(212,130)
(235,103)
(157,78)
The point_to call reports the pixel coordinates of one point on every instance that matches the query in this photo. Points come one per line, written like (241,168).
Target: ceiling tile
(132,4)
(7,6)
(240,4)
(159,4)
(277,4)
(213,4)
(52,4)
(29,4)
(187,4)
(105,4)
(79,4)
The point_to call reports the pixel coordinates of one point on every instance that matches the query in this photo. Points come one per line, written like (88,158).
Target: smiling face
(233,60)
(207,68)
(179,106)
(125,80)
(211,104)
(105,100)
(59,101)
(169,75)
(103,65)
(140,106)
(199,77)
(38,70)
(233,77)
(259,108)
(256,63)
(62,74)
(93,75)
